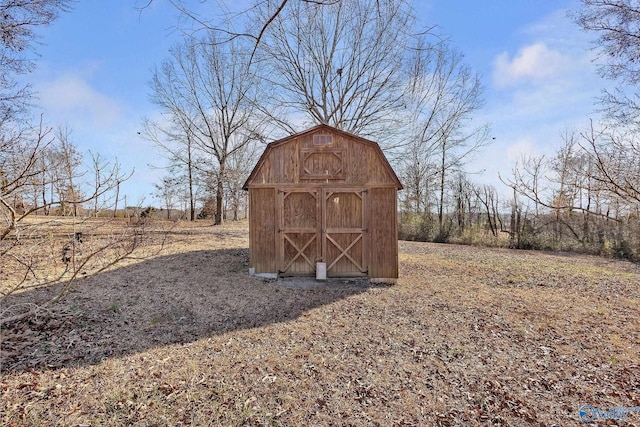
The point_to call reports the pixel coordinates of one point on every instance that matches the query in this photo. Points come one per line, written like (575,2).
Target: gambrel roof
(383,165)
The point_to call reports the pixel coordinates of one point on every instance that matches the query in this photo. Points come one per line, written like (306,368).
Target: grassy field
(469,336)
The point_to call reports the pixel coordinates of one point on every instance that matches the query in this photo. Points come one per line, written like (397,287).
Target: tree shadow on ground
(166,300)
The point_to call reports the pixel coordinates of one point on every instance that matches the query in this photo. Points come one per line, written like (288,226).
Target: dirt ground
(468,336)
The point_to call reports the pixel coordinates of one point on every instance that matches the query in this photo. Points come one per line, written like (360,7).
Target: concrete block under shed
(321,271)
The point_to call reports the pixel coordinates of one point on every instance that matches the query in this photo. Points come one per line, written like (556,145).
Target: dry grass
(469,336)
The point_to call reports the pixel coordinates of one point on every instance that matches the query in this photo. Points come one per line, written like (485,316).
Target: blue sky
(535,64)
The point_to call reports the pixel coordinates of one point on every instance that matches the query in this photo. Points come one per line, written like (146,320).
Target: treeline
(585,199)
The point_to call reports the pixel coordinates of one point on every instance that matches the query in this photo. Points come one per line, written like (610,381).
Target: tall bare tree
(338,63)
(225,33)
(207,89)
(240,165)
(616,24)
(488,198)
(441,95)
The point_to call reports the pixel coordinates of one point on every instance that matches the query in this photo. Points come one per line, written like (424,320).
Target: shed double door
(322,225)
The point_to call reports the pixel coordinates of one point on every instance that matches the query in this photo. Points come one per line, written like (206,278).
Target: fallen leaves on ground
(469,336)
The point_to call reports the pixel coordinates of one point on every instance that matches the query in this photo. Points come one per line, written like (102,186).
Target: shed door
(299,232)
(344,232)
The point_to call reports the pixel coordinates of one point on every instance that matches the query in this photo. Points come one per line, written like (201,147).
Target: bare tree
(364,67)
(338,63)
(101,170)
(465,204)
(19,20)
(225,33)
(441,95)
(616,24)
(167,192)
(42,172)
(613,152)
(175,139)
(606,162)
(208,90)
(69,161)
(488,198)
(418,178)
(616,155)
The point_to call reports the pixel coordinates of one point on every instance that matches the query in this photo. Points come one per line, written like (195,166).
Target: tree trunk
(44,197)
(192,202)
(441,207)
(219,195)
(115,206)
(512,225)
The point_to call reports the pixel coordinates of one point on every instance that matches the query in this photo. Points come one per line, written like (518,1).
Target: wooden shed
(323,196)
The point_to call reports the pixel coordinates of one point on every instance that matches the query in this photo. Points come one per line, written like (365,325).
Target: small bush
(415,227)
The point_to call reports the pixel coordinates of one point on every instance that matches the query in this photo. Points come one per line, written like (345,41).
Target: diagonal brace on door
(344,252)
(300,252)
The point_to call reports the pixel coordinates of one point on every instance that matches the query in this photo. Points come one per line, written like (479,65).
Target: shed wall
(383,233)
(262,225)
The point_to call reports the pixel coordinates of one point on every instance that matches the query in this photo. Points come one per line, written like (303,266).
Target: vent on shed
(322,139)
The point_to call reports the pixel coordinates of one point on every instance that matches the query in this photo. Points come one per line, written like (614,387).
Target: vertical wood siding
(333,201)
(262,227)
(383,233)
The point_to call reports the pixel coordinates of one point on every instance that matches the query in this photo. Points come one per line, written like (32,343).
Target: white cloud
(72,98)
(543,84)
(535,62)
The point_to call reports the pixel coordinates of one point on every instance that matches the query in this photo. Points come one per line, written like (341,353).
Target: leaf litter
(468,336)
